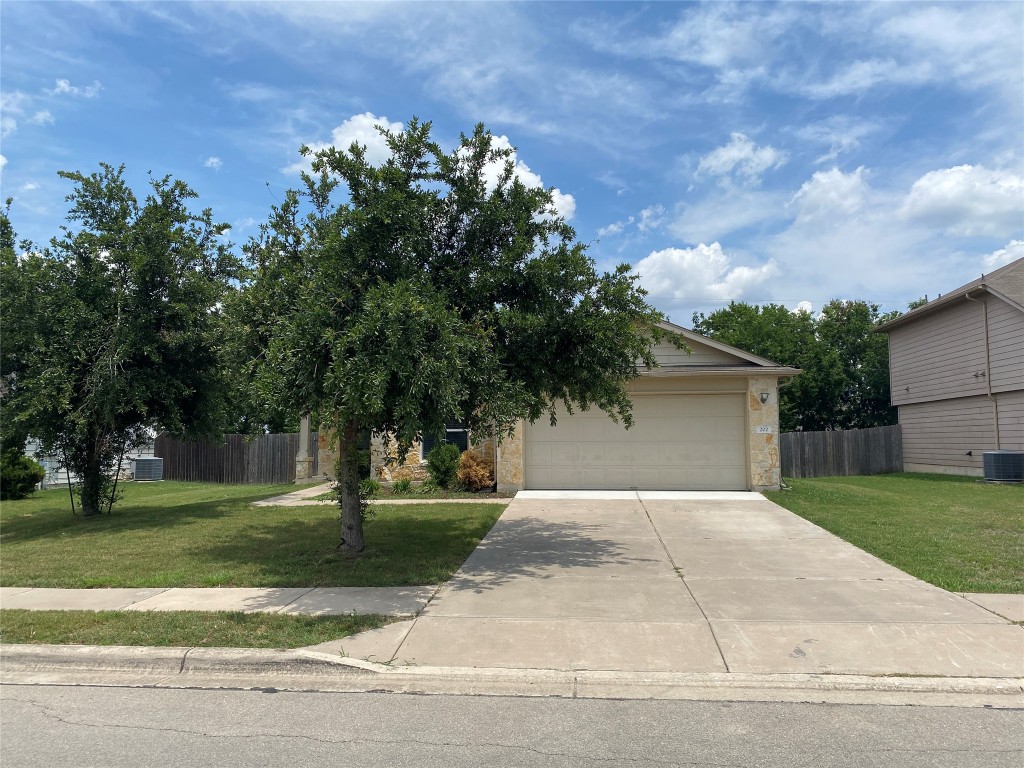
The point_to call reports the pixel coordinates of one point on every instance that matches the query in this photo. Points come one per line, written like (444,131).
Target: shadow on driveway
(543,549)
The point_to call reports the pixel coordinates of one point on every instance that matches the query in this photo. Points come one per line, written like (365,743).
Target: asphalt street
(114,726)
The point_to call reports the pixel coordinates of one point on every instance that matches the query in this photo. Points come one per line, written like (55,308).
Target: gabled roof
(746,363)
(1006,283)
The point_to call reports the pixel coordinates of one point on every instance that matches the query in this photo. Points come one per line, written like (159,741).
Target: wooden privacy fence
(238,459)
(871,451)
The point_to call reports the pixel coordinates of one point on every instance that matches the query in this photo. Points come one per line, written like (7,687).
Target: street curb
(299,670)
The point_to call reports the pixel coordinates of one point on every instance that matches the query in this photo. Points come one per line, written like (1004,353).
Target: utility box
(148,469)
(1003,466)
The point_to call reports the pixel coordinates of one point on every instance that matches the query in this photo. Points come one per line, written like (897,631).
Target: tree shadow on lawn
(401,550)
(54,521)
(543,549)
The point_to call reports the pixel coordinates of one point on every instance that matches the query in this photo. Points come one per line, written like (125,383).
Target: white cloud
(42,117)
(651,217)
(702,272)
(968,200)
(214,162)
(839,132)
(8,125)
(829,193)
(3,162)
(360,129)
(564,203)
(742,156)
(65,88)
(1013,251)
(28,186)
(803,306)
(615,228)
(864,74)
(726,211)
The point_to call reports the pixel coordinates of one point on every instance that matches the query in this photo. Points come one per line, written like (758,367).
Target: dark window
(455,433)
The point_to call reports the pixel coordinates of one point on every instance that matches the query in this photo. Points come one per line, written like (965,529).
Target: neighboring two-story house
(957,374)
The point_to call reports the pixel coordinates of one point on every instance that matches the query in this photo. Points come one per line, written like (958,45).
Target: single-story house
(708,420)
(956,369)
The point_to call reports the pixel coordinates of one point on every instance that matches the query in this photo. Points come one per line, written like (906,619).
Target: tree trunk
(348,491)
(92,484)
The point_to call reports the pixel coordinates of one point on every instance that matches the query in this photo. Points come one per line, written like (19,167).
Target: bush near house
(18,475)
(474,474)
(443,463)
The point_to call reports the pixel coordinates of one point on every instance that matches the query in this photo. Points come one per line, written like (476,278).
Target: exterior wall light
(764,398)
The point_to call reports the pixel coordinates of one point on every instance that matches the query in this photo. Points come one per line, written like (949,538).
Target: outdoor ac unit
(1004,466)
(149,469)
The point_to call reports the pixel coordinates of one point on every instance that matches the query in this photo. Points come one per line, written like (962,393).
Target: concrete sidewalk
(692,583)
(307,601)
(305,497)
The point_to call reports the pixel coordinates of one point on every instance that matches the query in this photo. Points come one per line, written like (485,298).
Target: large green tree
(845,378)
(434,287)
(116,326)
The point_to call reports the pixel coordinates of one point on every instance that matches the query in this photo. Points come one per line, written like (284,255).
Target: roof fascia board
(946,301)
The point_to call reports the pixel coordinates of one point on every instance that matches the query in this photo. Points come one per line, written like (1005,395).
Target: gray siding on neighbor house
(941,432)
(1006,345)
(938,356)
(1011,420)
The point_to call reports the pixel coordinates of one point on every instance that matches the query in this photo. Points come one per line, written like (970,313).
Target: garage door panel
(620,453)
(677,441)
(565,454)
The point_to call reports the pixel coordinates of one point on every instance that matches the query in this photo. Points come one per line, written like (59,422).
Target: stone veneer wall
(509,467)
(413,467)
(765,464)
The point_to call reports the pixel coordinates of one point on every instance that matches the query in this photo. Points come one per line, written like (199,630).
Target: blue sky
(763,152)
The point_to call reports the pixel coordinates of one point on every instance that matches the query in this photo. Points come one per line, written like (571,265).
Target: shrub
(401,486)
(18,475)
(443,463)
(428,486)
(369,488)
(474,473)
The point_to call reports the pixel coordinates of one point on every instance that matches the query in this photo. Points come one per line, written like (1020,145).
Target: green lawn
(204,535)
(954,532)
(179,628)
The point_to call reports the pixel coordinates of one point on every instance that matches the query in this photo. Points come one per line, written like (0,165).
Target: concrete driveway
(691,582)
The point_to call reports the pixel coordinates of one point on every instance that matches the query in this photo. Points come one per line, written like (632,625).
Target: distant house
(956,368)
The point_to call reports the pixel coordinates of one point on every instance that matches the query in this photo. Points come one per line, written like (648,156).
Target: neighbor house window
(455,433)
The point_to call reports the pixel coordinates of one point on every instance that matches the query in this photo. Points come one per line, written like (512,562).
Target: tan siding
(646,384)
(1006,345)
(942,432)
(1011,420)
(666,354)
(938,356)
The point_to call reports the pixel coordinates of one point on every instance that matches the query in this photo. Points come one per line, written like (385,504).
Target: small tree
(439,288)
(121,324)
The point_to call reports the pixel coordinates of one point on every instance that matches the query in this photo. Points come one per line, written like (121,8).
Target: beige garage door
(677,442)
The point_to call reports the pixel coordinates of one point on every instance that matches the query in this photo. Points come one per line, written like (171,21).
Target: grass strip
(953,532)
(221,629)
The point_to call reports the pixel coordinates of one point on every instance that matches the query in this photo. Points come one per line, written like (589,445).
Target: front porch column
(303,458)
(508,472)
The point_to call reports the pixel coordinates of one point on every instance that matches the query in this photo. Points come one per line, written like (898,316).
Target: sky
(792,152)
